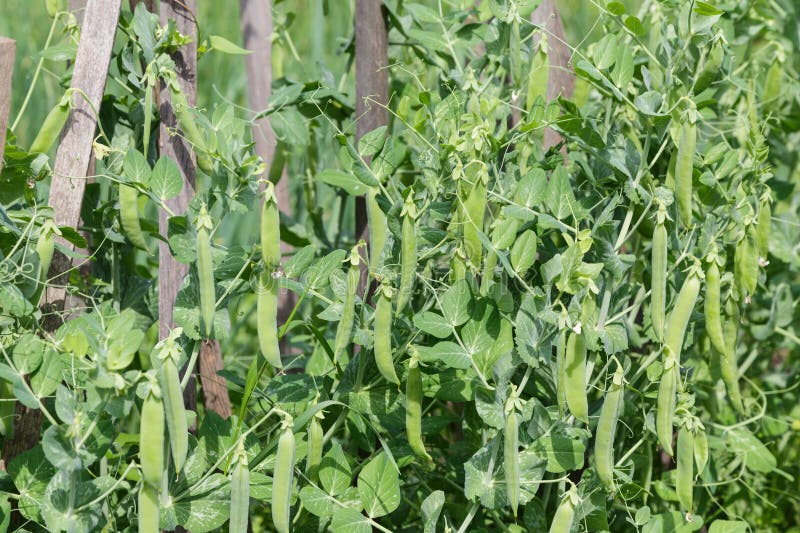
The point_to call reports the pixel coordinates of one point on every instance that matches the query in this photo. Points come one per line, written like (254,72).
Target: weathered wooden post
(8,49)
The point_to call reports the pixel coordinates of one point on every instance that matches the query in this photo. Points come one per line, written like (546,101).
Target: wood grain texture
(8,50)
(215,389)
(170,271)
(75,149)
(372,91)
(561,81)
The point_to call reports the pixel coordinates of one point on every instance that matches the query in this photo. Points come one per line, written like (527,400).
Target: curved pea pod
(382,329)
(684,479)
(658,280)
(711,68)
(240,494)
(270,231)
(148,509)
(511,459)
(408,254)
(45,246)
(315,445)
(712,306)
(282,480)
(205,272)
(129,216)
(267,319)
(575,373)
(175,412)
(763,227)
(745,265)
(377,228)
(682,313)
(607,429)
(565,513)
(729,368)
(52,126)
(414,409)
(700,450)
(187,124)
(684,167)
(7,401)
(345,328)
(665,406)
(151,440)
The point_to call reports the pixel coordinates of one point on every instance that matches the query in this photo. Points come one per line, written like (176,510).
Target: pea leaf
(221,44)
(166,181)
(379,486)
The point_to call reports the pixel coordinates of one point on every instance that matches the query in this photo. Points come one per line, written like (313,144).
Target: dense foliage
(596,337)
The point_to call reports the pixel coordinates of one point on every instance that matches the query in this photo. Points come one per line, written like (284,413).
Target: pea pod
(684,166)
(45,246)
(764,222)
(267,298)
(151,438)
(282,480)
(377,228)
(565,513)
(665,406)
(148,509)
(575,374)
(408,253)
(189,128)
(658,280)
(240,493)
(52,126)
(414,408)
(684,480)
(745,264)
(682,313)
(129,216)
(729,368)
(383,335)
(474,211)
(7,401)
(345,328)
(511,459)
(169,352)
(205,271)
(315,444)
(711,306)
(607,429)
(700,450)
(561,375)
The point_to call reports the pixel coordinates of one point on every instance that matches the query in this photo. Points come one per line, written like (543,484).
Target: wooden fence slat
(75,149)
(8,49)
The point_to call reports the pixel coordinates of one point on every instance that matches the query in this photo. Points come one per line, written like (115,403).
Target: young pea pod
(561,373)
(282,480)
(729,367)
(52,126)
(712,305)
(408,253)
(267,298)
(315,444)
(682,313)
(187,124)
(607,429)
(575,374)
(658,280)
(684,480)
(745,264)
(414,408)
(763,226)
(665,406)
(151,438)
(7,401)
(240,493)
(377,228)
(565,514)
(700,450)
(511,459)
(148,509)
(205,271)
(345,328)
(169,352)
(45,246)
(684,166)
(474,211)
(129,216)
(383,335)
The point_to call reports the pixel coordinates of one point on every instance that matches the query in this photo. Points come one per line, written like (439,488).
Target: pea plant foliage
(595,336)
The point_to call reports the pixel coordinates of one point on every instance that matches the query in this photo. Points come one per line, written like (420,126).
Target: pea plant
(488,331)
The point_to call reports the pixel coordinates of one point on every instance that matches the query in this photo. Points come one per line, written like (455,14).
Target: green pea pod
(511,460)
(240,494)
(684,480)
(658,283)
(561,375)
(565,513)
(773,83)
(700,450)
(377,228)
(575,374)
(151,440)
(682,313)
(711,68)
(763,226)
(345,328)
(414,408)
(711,307)
(665,407)
(474,211)
(45,246)
(408,254)
(315,445)
(745,265)
(729,367)
(7,401)
(383,336)
(205,272)
(129,216)
(187,124)
(684,166)
(175,412)
(267,298)
(148,509)
(282,480)
(607,429)
(52,126)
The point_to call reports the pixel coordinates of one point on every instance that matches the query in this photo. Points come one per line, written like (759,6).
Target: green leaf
(616,8)
(431,509)
(345,180)
(523,253)
(635,25)
(334,470)
(27,354)
(728,526)
(455,303)
(752,451)
(433,324)
(372,142)
(672,522)
(563,453)
(707,10)
(166,181)
(290,127)
(136,168)
(317,501)
(221,44)
(379,486)
(31,472)
(13,301)
(350,521)
(449,353)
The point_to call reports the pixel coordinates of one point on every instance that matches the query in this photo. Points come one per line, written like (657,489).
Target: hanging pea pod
(665,406)
(169,352)
(188,126)
(511,451)
(414,407)
(575,376)
(763,226)
(7,401)
(729,367)
(382,329)
(712,305)
(607,429)
(129,216)
(377,228)
(240,492)
(345,328)
(711,68)
(474,210)
(684,479)
(315,447)
(52,125)
(684,168)
(45,246)
(151,437)
(267,299)
(658,280)
(408,253)
(682,313)
(745,264)
(205,271)
(283,478)
(565,514)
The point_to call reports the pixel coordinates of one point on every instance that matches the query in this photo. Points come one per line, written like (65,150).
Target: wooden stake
(8,49)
